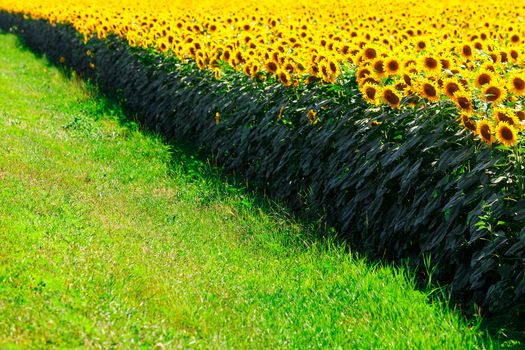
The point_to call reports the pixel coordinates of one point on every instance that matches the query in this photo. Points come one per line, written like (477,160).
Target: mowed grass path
(109,238)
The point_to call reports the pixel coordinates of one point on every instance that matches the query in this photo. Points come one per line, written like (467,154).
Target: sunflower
(488,66)
(369,80)
(494,92)
(271,67)
(409,63)
(494,57)
(506,115)
(163,46)
(483,78)
(445,63)
(363,72)
(284,77)
(521,115)
(401,86)
(407,79)
(333,67)
(421,45)
(478,45)
(289,67)
(504,57)
(370,93)
(484,130)
(392,66)
(369,53)
(391,97)
(378,66)
(467,122)
(325,72)
(429,90)
(430,65)
(311,79)
(312,117)
(254,71)
(466,52)
(464,101)
(516,84)
(226,55)
(506,134)
(514,55)
(451,86)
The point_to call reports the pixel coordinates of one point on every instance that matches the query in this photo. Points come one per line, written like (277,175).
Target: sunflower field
(399,122)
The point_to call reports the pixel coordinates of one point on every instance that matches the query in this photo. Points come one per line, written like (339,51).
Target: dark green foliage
(415,185)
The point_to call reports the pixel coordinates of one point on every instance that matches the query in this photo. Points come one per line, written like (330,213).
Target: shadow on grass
(199,166)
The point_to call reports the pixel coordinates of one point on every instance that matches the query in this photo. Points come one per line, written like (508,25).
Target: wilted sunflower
(506,134)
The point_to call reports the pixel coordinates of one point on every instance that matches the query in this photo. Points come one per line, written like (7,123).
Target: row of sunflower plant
(403,52)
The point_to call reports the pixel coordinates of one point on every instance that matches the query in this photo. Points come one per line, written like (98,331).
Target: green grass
(109,238)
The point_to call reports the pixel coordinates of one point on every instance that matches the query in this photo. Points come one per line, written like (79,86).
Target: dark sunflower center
(519,84)
(430,63)
(483,79)
(506,134)
(370,53)
(393,66)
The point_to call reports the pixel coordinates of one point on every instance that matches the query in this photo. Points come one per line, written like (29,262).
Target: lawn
(110,238)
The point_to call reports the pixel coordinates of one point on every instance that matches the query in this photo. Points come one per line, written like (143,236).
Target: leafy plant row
(398,184)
